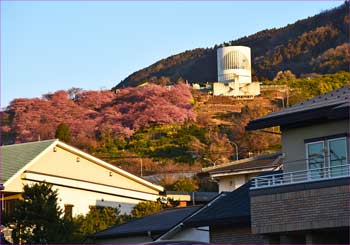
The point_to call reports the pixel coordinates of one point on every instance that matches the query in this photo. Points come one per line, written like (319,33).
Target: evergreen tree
(185,184)
(147,208)
(63,133)
(97,219)
(37,218)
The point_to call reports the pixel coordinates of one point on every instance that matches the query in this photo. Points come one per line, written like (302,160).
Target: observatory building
(234,73)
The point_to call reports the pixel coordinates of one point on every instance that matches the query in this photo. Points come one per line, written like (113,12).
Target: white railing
(310,175)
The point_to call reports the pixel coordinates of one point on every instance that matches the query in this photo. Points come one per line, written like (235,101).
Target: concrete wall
(236,89)
(233,235)
(293,142)
(317,205)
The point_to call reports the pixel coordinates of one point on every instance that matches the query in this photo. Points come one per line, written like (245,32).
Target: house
(309,202)
(148,228)
(227,216)
(232,175)
(81,179)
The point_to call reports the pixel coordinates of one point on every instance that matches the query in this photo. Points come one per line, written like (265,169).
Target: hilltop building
(234,73)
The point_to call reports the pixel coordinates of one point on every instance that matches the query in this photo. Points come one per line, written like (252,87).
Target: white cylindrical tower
(234,64)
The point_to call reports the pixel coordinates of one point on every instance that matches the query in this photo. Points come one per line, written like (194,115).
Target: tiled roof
(156,224)
(323,106)
(14,157)
(252,163)
(231,208)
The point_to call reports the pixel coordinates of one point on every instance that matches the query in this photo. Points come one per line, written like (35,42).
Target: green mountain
(318,44)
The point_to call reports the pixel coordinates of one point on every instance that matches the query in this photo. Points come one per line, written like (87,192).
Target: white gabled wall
(230,183)
(64,163)
(83,194)
(193,234)
(82,182)
(82,199)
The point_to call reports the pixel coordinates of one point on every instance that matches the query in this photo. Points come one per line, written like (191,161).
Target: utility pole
(141,166)
(236,147)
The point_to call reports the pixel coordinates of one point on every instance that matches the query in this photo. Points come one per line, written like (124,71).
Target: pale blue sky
(52,45)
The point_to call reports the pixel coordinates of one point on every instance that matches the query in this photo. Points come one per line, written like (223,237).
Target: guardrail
(310,175)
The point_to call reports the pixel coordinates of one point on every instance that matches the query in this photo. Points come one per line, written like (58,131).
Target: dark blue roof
(156,223)
(333,105)
(230,208)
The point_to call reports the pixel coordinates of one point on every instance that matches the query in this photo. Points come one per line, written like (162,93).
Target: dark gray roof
(329,106)
(156,224)
(252,163)
(230,208)
(14,157)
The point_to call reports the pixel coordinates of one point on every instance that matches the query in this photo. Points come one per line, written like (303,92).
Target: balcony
(297,202)
(311,175)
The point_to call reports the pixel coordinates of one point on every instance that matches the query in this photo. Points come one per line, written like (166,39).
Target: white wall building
(234,73)
(81,179)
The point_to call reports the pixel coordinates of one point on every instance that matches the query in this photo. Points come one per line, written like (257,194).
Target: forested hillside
(318,44)
(167,129)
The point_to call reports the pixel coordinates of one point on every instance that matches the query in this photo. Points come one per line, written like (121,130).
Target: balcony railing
(315,174)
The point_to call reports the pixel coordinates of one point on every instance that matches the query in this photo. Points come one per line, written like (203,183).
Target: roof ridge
(27,143)
(244,160)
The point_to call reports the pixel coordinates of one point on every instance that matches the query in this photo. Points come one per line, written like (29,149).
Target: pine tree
(63,133)
(37,218)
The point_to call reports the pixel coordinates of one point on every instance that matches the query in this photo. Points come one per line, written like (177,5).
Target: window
(327,157)
(316,159)
(337,156)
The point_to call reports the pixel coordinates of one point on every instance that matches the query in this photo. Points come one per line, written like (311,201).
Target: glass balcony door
(316,159)
(337,157)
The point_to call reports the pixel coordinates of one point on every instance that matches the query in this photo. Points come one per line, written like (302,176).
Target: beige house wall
(16,185)
(230,183)
(64,163)
(82,182)
(293,145)
(83,199)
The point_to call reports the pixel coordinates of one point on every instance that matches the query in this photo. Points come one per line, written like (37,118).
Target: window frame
(326,148)
(329,155)
(307,154)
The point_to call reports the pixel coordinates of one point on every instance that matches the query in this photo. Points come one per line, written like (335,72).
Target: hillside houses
(297,196)
(305,202)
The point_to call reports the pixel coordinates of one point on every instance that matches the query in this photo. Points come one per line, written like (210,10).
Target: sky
(52,45)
